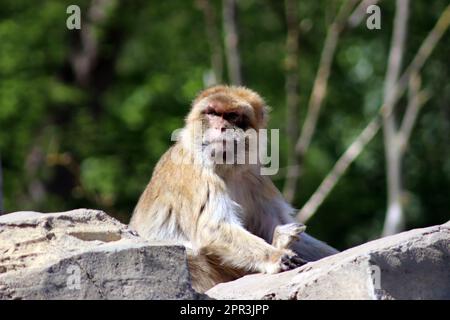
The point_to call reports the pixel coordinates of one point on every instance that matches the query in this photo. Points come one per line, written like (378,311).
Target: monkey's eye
(211,111)
(231,116)
(243,122)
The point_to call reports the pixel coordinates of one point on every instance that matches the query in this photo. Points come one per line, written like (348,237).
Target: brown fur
(226,215)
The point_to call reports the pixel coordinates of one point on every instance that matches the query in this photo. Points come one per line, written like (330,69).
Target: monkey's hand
(284,235)
(284,260)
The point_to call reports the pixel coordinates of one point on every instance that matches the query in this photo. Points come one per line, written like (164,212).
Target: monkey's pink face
(225,123)
(222,115)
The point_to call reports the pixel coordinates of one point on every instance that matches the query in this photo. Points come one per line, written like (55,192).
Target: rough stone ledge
(85,254)
(410,265)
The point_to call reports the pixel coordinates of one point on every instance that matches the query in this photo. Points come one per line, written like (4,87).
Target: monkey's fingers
(284,235)
(291,229)
(291,262)
(299,261)
(298,228)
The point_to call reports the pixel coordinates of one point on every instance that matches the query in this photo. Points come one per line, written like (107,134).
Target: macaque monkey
(231,219)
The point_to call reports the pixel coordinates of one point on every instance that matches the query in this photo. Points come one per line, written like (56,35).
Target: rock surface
(409,265)
(85,254)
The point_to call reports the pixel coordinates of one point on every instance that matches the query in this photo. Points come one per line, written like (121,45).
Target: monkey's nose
(222,129)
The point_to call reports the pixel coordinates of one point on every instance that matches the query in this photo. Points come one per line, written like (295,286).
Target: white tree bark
(352,152)
(394,221)
(317,97)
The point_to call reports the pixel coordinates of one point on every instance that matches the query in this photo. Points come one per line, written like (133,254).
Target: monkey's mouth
(225,151)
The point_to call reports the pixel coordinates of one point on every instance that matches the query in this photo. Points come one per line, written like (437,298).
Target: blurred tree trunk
(292,97)
(93,69)
(84,59)
(91,66)
(232,42)
(213,36)
(34,162)
(394,222)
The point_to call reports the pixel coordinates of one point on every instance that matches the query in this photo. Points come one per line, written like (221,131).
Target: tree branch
(292,95)
(422,55)
(394,221)
(338,170)
(416,99)
(352,152)
(232,42)
(213,36)
(360,12)
(321,81)
(317,96)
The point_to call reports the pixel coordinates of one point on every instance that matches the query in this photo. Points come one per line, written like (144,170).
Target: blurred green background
(70,139)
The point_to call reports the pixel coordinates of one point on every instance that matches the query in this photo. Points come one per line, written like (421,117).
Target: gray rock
(85,254)
(409,265)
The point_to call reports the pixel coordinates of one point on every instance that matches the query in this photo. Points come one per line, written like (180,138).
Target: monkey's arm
(237,248)
(274,211)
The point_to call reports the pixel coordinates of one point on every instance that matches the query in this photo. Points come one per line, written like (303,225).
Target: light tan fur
(226,215)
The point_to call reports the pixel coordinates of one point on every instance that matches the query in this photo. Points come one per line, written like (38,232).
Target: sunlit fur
(224,215)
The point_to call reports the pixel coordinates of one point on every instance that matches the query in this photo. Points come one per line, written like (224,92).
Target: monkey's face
(228,117)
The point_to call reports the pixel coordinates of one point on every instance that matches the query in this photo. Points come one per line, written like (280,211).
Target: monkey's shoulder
(176,171)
